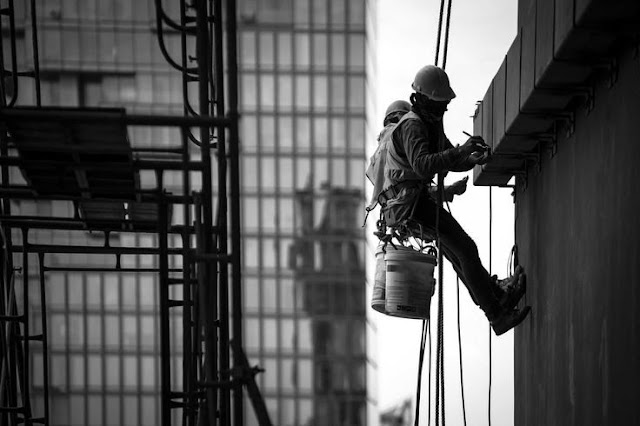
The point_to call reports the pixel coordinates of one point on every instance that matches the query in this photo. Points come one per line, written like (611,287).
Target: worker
(375,171)
(418,150)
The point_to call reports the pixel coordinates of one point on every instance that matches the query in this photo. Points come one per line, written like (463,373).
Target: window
(302,53)
(285,135)
(320,135)
(302,91)
(247,49)
(285,92)
(267,138)
(320,93)
(320,52)
(266,49)
(284,49)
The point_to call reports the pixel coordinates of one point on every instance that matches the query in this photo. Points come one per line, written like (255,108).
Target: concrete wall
(577,356)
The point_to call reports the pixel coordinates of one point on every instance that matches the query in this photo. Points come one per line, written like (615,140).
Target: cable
(464,411)
(490,260)
(420,363)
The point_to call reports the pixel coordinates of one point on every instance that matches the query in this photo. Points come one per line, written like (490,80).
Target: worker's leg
(462,252)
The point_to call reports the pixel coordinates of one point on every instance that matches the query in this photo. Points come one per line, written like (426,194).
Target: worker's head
(432,91)
(395,111)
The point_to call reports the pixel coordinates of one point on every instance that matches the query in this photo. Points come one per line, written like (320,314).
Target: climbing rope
(439,376)
(490,259)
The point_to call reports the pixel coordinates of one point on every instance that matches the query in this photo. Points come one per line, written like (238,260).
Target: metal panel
(499,102)
(619,15)
(487,116)
(512,106)
(563,23)
(544,39)
(527,62)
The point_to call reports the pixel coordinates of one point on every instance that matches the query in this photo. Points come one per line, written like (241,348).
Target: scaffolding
(83,156)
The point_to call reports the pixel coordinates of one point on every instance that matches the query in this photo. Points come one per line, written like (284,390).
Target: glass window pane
(338,172)
(248,49)
(95,410)
(267,92)
(249,131)
(303,94)
(304,336)
(248,91)
(320,93)
(113,413)
(75,285)
(94,331)
(76,330)
(287,376)
(321,135)
(251,220)
(148,364)
(77,411)
(112,371)
(267,173)
(269,294)
(356,136)
(338,13)
(338,92)
(285,134)
(285,92)
(129,331)
(268,214)
(252,333)
(356,93)
(112,331)
(129,290)
(270,374)
(303,137)
(338,51)
(58,371)
(285,171)
(288,334)
(266,49)
(76,372)
(338,135)
(319,13)
(302,50)
(287,300)
(250,252)
(269,252)
(356,51)
(147,332)
(284,50)
(320,51)
(356,13)
(270,335)
(130,365)
(267,133)
(251,294)
(301,12)
(95,371)
(94,288)
(305,375)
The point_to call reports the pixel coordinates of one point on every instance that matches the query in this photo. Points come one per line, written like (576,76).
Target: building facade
(304,75)
(306,68)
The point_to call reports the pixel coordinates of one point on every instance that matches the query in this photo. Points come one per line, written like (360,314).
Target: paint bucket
(379,281)
(409,282)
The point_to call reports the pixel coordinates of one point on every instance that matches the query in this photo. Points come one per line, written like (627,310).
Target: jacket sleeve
(424,162)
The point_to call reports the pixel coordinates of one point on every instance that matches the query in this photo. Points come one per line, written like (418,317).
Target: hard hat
(433,83)
(397,106)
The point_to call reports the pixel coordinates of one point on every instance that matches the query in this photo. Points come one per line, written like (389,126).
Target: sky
(481,32)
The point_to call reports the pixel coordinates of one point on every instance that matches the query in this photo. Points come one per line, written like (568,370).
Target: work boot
(510,290)
(508,319)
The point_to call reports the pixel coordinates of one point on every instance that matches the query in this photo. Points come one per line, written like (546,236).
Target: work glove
(458,187)
(477,151)
(474,144)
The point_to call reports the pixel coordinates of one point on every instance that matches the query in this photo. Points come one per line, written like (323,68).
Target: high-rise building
(306,69)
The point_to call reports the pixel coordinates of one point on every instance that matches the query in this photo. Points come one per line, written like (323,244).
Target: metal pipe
(26,385)
(52,248)
(209,268)
(104,117)
(165,344)
(234,189)
(45,338)
(34,45)
(223,285)
(163,48)
(14,60)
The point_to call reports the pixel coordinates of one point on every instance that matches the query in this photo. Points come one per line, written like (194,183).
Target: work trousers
(456,245)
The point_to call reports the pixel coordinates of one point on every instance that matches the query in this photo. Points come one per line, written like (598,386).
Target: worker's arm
(414,140)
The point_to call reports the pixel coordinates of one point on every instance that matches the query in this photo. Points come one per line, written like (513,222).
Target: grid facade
(303,96)
(305,67)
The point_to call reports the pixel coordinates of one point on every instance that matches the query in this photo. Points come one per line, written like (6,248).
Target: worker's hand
(481,157)
(459,187)
(474,144)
